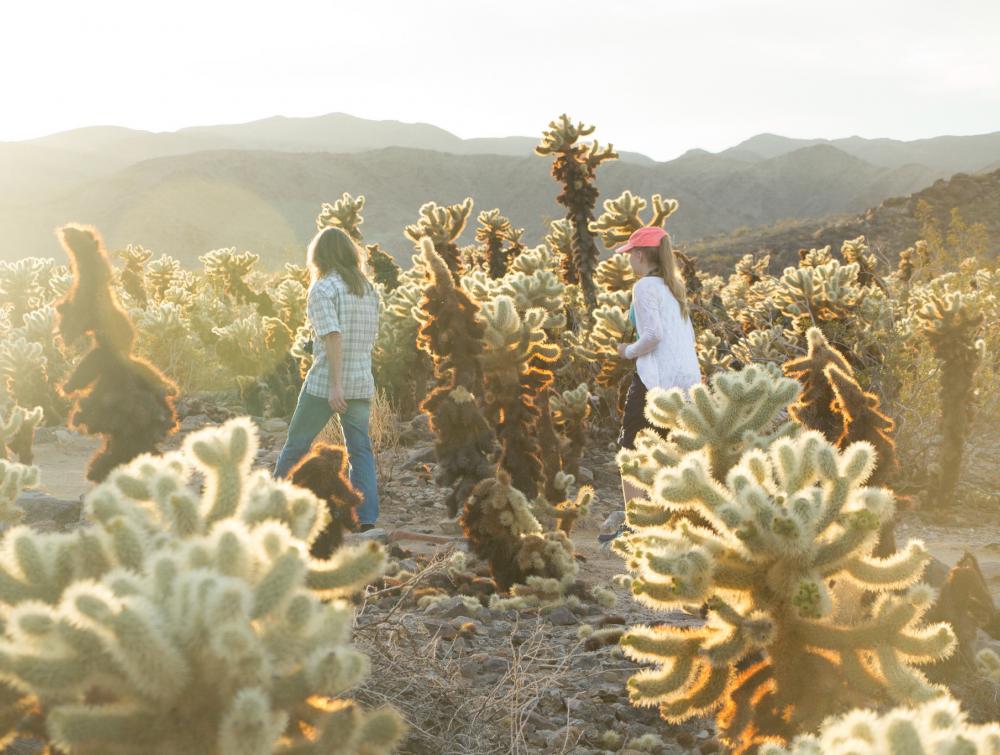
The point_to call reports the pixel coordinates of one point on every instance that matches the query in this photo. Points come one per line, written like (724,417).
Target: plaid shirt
(333,308)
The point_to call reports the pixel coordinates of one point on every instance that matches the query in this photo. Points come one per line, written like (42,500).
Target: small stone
(709,747)
(274,425)
(561,616)
(420,455)
(65,437)
(613,522)
(584,476)
(194,422)
(450,527)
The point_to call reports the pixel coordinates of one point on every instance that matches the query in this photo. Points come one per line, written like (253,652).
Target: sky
(655,76)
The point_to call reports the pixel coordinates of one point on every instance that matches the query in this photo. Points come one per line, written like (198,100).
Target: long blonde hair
(665,266)
(332,250)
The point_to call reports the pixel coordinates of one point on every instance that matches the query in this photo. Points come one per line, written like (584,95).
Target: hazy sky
(658,77)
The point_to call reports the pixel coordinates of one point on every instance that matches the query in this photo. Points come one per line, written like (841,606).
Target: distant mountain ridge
(259,185)
(889,228)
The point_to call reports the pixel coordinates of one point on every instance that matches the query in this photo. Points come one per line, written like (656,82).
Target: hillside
(944,155)
(267,201)
(890,227)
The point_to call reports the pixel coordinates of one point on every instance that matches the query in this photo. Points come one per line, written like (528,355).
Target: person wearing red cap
(664,353)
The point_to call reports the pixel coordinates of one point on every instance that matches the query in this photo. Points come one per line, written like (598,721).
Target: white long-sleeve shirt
(665,352)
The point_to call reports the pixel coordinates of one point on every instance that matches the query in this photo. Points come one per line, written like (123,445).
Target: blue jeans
(310,417)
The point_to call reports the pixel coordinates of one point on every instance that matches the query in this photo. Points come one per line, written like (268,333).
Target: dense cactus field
(765,594)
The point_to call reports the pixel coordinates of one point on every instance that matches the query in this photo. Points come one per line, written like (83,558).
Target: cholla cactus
(13,479)
(385,270)
(230,271)
(451,333)
(517,362)
(399,365)
(493,231)
(17,429)
(166,339)
(599,346)
(621,217)
(443,225)
(541,289)
(190,623)
(290,297)
(736,412)
(161,274)
(560,242)
(124,399)
(855,251)
(951,324)
(813,408)
(24,374)
(774,655)
(20,287)
(133,274)
(535,566)
(988,665)
(615,274)
(575,167)
(936,727)
(570,411)
(708,354)
(344,214)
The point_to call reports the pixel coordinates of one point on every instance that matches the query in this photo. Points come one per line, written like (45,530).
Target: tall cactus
(124,399)
(951,324)
(451,332)
(575,166)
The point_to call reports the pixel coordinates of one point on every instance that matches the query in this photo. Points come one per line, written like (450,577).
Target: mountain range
(259,185)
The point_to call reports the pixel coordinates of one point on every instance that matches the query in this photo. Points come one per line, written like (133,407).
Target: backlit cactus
(124,399)
(190,622)
(443,225)
(775,657)
(951,324)
(575,166)
(933,728)
(344,214)
(622,217)
(451,332)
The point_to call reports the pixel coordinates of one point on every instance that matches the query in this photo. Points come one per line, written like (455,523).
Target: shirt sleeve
(647,322)
(322,311)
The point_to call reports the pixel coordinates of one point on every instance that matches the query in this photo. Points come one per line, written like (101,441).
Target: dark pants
(634,416)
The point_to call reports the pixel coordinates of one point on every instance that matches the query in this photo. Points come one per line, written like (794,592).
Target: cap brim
(625,248)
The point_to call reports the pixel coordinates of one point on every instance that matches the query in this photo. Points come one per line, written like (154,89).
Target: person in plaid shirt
(343,313)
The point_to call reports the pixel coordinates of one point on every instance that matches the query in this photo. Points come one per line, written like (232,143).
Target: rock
(65,437)
(613,522)
(45,435)
(420,455)
(194,422)
(416,430)
(450,527)
(455,606)
(274,425)
(376,533)
(584,476)
(561,616)
(49,514)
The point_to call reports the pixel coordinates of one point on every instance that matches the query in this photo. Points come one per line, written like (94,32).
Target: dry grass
(420,675)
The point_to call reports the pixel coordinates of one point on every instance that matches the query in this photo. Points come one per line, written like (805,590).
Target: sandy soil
(63,466)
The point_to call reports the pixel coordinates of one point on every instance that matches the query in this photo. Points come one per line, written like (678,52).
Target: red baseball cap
(650,235)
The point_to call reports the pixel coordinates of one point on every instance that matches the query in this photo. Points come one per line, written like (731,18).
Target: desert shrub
(187,620)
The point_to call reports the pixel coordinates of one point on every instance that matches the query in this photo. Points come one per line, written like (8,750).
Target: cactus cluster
(933,728)
(781,515)
(575,166)
(182,621)
(118,396)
